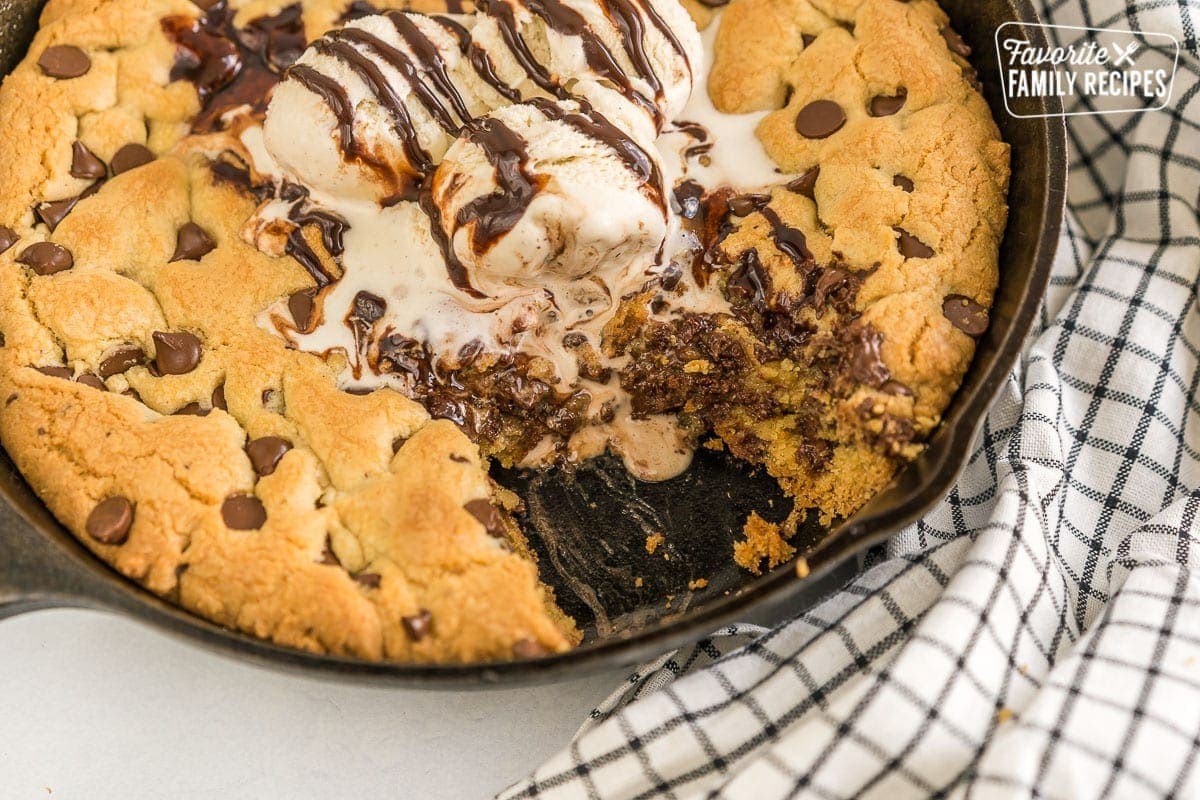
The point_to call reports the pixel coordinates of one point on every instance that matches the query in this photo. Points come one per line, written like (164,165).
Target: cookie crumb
(699,583)
(763,540)
(653,541)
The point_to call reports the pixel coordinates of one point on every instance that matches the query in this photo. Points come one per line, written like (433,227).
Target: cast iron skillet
(590,528)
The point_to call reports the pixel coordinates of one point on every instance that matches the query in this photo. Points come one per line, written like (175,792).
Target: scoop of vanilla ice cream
(662,27)
(588,213)
(303,133)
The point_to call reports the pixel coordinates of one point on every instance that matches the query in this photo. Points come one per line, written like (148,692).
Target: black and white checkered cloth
(1038,634)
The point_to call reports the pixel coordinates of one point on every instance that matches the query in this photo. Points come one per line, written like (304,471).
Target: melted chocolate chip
(895,387)
(8,237)
(528,648)
(46,258)
(912,247)
(750,281)
(265,453)
(92,381)
(820,119)
(64,61)
(131,156)
(192,243)
(121,360)
(418,625)
(371,580)
(301,306)
(955,42)
(904,183)
(328,557)
(110,521)
(806,184)
(218,398)
(483,510)
(66,373)
(243,512)
(965,314)
(883,105)
(85,164)
(177,352)
(866,364)
(193,410)
(744,205)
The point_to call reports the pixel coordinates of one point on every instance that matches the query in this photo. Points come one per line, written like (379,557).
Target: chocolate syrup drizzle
(233,67)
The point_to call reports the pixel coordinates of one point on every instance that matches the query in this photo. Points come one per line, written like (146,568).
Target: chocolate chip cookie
(278,283)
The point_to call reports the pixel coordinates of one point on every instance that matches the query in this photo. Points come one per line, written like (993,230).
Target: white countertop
(94,707)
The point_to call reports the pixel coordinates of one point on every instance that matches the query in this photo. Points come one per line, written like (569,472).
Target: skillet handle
(37,572)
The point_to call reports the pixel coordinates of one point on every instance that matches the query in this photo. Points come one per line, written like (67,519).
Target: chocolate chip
(193,410)
(66,373)
(54,212)
(176,353)
(3,341)
(912,247)
(46,258)
(397,443)
(265,453)
(965,314)
(301,306)
(819,119)
(883,105)
(457,459)
(131,156)
(371,580)
(268,397)
(328,557)
(123,359)
(528,648)
(85,164)
(8,237)
(904,183)
(418,625)
(866,361)
(488,516)
(64,61)
(243,512)
(896,388)
(192,243)
(806,184)
(91,380)
(218,398)
(746,204)
(955,42)
(110,521)
(807,39)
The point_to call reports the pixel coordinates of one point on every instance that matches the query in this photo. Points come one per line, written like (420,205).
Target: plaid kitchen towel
(1038,634)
